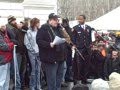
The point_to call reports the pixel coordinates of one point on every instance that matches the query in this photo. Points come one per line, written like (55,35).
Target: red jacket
(6,48)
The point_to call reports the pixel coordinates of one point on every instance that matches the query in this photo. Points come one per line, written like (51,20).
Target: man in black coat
(82,41)
(97,62)
(15,36)
(112,63)
(52,56)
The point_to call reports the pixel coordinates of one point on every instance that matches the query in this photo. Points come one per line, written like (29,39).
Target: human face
(54,22)
(114,54)
(38,25)
(13,22)
(20,25)
(3,28)
(81,20)
(100,48)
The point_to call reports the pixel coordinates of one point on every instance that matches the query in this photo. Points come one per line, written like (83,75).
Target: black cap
(53,16)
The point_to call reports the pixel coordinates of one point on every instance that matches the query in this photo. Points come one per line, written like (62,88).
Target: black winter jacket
(44,37)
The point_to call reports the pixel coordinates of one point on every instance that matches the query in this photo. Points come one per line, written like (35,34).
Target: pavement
(70,86)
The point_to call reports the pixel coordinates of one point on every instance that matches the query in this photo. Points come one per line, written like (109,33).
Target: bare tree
(91,8)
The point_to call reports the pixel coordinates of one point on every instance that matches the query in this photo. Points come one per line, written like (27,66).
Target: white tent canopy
(109,21)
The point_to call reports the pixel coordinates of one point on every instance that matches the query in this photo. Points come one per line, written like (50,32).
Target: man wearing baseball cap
(52,56)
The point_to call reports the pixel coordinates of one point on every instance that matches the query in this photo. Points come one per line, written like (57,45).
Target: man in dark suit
(82,40)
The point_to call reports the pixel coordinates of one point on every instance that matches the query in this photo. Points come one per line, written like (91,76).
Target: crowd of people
(40,62)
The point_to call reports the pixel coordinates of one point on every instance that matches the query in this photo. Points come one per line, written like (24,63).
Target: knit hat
(114,82)
(11,18)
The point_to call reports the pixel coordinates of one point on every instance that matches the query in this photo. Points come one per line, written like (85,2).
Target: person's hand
(73,47)
(52,45)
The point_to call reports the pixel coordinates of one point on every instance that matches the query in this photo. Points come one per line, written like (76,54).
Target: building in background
(39,8)
(7,9)
(27,9)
